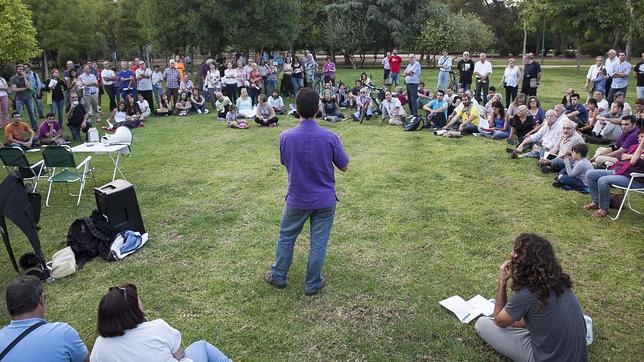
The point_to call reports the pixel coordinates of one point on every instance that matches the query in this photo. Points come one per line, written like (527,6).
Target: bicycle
(453,83)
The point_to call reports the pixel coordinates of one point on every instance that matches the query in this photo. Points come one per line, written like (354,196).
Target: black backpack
(90,237)
(415,124)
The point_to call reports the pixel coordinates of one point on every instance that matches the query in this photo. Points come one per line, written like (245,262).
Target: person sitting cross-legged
(198,101)
(466,117)
(363,106)
(232,121)
(276,101)
(542,320)
(436,110)
(619,174)
(126,334)
(15,133)
(50,133)
(499,126)
(392,109)
(607,126)
(183,106)
(545,139)
(51,342)
(554,161)
(573,177)
(264,113)
(330,109)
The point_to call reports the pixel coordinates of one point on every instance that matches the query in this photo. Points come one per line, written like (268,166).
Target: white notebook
(467,311)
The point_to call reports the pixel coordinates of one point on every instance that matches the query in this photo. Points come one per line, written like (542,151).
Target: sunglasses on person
(123,288)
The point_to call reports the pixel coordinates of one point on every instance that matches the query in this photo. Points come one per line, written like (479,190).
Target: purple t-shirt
(626,140)
(44,129)
(309,152)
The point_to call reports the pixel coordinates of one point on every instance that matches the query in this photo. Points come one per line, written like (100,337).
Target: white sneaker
(99,109)
(206,111)
(199,111)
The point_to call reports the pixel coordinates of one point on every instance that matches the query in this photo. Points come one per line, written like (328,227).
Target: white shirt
(277,103)
(483,68)
(87,79)
(213,79)
(511,76)
(3,83)
(592,72)
(107,73)
(385,62)
(157,77)
(445,63)
(602,105)
(144,84)
(153,341)
(549,135)
(144,106)
(610,65)
(230,76)
(392,107)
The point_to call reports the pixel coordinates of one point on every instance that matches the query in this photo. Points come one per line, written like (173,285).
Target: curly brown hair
(534,266)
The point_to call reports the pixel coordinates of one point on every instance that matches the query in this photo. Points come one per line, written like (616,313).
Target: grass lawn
(420,218)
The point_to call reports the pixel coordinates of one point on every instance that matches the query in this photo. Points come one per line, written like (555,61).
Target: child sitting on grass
(574,178)
(232,121)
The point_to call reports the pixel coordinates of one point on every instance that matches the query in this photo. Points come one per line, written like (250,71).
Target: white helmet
(122,135)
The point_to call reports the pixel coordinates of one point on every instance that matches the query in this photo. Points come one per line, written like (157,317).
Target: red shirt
(394,63)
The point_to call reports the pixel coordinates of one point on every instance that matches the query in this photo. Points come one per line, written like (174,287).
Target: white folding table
(101,149)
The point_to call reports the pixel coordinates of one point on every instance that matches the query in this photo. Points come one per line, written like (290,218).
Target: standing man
(482,71)
(144,86)
(311,192)
(593,71)
(445,66)
(531,75)
(55,342)
(21,86)
(465,71)
(90,92)
(36,89)
(386,67)
(611,63)
(109,77)
(620,77)
(172,77)
(395,62)
(638,73)
(543,319)
(412,78)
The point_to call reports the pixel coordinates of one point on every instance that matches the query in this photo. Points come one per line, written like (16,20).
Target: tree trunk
(362,59)
(375,56)
(616,39)
(577,54)
(525,37)
(45,65)
(629,37)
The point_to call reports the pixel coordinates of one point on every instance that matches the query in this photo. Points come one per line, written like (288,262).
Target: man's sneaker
(557,184)
(514,154)
(322,285)
(206,111)
(509,150)
(99,109)
(199,111)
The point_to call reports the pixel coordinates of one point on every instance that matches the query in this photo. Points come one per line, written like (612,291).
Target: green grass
(420,218)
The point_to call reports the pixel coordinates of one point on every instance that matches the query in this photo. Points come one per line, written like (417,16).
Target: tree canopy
(18,41)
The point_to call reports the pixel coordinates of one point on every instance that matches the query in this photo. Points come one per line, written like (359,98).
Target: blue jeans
(573,183)
(412,94)
(157,89)
(443,80)
(202,351)
(76,131)
(292,222)
(394,79)
(38,106)
(270,86)
(600,182)
(20,104)
(296,83)
(495,135)
(557,164)
(465,86)
(57,109)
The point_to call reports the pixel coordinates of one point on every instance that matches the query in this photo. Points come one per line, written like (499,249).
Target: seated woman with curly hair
(183,106)
(126,334)
(542,320)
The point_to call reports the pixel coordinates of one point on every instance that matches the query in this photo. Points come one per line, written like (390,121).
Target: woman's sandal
(591,206)
(268,278)
(600,213)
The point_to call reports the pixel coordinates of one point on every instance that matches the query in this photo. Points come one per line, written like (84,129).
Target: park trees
(18,40)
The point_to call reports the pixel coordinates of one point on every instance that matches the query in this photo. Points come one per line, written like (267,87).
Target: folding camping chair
(628,190)
(64,169)
(14,158)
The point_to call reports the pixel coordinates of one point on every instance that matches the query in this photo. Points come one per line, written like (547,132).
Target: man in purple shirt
(309,153)
(627,139)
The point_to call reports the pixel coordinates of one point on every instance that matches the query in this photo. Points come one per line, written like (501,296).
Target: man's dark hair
(23,295)
(358,81)
(629,118)
(49,115)
(14,113)
(493,89)
(640,101)
(440,91)
(119,311)
(619,105)
(592,101)
(307,102)
(575,95)
(581,149)
(422,84)
(534,266)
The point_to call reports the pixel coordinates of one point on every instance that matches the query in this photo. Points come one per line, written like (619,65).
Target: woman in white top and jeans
(230,81)
(510,82)
(125,334)
(4,102)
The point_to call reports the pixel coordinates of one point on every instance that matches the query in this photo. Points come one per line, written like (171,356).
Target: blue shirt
(309,153)
(51,342)
(437,104)
(621,68)
(125,74)
(583,112)
(414,78)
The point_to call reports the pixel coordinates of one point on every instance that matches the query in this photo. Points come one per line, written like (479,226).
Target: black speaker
(117,200)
